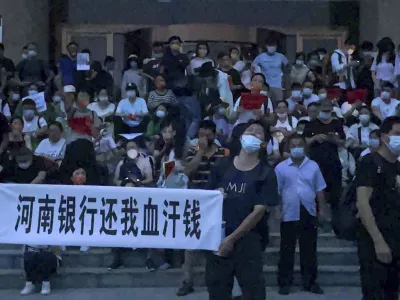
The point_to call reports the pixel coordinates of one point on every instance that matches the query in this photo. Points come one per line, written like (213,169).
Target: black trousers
(245,262)
(305,230)
(378,281)
(39,266)
(120,127)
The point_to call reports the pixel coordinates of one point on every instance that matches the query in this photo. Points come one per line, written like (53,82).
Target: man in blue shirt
(272,65)
(300,181)
(67,64)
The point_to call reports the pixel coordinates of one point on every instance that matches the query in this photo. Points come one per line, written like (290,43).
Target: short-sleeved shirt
(7,64)
(384,70)
(32,70)
(271,67)
(127,107)
(360,133)
(387,110)
(34,125)
(376,172)
(53,151)
(244,189)
(199,178)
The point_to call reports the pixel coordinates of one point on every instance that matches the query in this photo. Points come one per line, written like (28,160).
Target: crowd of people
(277,138)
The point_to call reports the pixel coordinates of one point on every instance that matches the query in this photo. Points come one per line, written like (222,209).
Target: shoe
(28,289)
(185,289)
(84,249)
(284,290)
(150,265)
(45,288)
(115,265)
(315,289)
(164,266)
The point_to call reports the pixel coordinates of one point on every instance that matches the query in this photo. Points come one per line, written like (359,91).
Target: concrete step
(324,240)
(139,277)
(102,258)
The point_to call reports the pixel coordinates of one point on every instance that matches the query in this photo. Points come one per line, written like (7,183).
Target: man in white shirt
(272,65)
(295,97)
(385,106)
(342,65)
(300,183)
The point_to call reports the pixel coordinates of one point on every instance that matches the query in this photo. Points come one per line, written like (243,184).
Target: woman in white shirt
(202,52)
(132,110)
(358,135)
(385,106)
(103,107)
(237,62)
(383,67)
(285,124)
(258,86)
(300,72)
(53,147)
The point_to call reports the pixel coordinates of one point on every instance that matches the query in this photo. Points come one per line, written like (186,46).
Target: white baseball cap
(69,89)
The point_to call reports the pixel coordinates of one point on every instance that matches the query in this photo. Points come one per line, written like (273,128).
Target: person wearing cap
(174,64)
(324,137)
(133,74)
(132,110)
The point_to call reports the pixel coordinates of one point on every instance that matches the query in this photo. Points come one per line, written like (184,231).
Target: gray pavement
(169,294)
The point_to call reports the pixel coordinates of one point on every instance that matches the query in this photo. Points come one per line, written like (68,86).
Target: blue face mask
(374,143)
(297,152)
(324,115)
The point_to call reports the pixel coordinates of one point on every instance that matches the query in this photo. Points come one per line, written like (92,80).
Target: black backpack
(344,220)
(129,170)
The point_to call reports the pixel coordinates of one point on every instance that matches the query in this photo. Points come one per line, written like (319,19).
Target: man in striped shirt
(201,159)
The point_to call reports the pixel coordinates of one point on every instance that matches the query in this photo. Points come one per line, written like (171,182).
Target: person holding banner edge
(245,181)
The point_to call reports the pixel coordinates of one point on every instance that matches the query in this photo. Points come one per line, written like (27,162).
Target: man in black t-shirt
(7,68)
(324,135)
(4,131)
(378,203)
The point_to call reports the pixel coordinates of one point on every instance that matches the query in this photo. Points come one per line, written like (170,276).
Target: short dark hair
(174,38)
(109,59)
(28,101)
(1,46)
(296,85)
(58,124)
(282,101)
(86,50)
(388,84)
(316,104)
(321,50)
(222,55)
(72,43)
(157,44)
(388,123)
(303,122)
(208,125)
(349,41)
(367,46)
(300,54)
(202,43)
(232,49)
(17,118)
(377,132)
(296,136)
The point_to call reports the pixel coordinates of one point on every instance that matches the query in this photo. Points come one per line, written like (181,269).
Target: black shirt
(32,70)
(325,153)
(244,190)
(4,127)
(376,172)
(174,67)
(152,68)
(13,173)
(8,65)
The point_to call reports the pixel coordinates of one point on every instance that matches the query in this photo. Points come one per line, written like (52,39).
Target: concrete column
(379,18)
(25,21)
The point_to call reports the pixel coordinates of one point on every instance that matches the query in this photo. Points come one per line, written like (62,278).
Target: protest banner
(83,62)
(101,216)
(40,101)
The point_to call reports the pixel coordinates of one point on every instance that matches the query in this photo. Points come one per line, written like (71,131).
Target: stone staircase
(338,266)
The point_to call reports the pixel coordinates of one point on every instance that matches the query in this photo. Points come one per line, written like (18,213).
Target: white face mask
(15,97)
(160,114)
(296,94)
(284,115)
(32,53)
(322,96)
(32,92)
(131,93)
(297,152)
(307,92)
(24,56)
(364,119)
(350,51)
(221,110)
(299,62)
(271,49)
(250,143)
(103,99)
(394,144)
(57,99)
(24,165)
(321,56)
(385,95)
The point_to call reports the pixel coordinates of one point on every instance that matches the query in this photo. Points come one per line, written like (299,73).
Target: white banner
(110,216)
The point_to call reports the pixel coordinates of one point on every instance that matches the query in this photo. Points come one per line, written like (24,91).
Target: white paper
(130,136)
(1,29)
(40,101)
(83,62)
(99,216)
